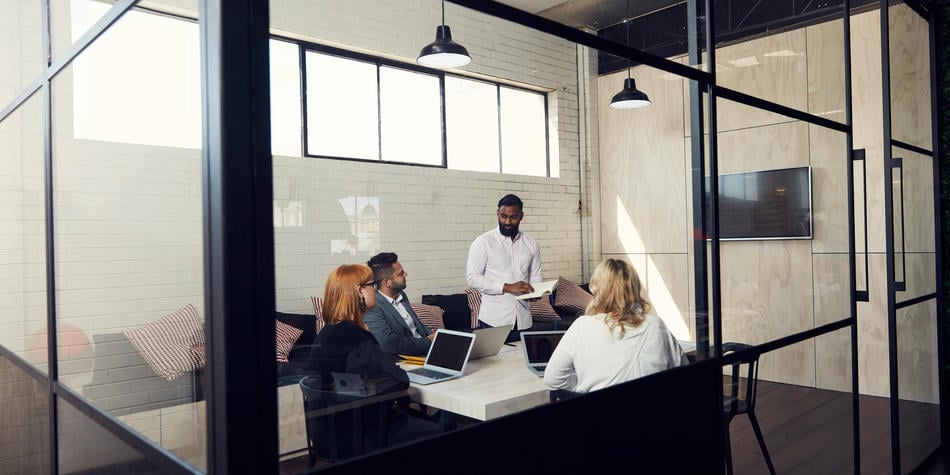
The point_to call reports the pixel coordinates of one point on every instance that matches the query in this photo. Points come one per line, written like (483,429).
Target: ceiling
(591,14)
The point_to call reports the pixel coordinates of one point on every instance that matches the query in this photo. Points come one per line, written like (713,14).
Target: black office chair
(735,403)
(335,423)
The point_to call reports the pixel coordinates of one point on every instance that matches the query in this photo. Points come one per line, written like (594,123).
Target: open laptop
(538,347)
(446,358)
(489,341)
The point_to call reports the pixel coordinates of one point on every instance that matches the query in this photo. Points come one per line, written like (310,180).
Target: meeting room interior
(181,177)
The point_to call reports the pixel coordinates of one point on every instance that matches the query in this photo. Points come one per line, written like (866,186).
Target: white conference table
(491,387)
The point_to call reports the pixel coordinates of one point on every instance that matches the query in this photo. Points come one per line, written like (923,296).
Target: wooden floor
(808,431)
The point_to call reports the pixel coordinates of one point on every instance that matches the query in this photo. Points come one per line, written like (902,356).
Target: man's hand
(431,335)
(518,288)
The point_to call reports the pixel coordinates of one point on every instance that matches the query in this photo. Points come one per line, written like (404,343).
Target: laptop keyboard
(428,373)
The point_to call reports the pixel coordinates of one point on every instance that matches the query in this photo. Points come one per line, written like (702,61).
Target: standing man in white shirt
(502,264)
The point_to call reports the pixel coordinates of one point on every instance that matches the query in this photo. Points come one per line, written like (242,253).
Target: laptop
(538,347)
(489,341)
(446,358)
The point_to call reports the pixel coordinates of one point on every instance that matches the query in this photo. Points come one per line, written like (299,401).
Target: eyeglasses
(367,284)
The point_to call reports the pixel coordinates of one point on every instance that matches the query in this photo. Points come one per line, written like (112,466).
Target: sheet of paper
(540,290)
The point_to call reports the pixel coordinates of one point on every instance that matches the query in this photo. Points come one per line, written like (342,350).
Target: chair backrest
(341,425)
(734,402)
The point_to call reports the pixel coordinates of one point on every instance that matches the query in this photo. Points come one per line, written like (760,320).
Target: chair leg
(758,435)
(728,451)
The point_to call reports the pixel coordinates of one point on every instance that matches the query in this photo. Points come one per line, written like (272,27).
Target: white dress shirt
(397,303)
(495,260)
(591,357)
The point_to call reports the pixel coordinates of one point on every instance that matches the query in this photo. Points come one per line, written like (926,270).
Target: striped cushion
(570,299)
(430,315)
(286,336)
(474,303)
(542,311)
(318,312)
(172,345)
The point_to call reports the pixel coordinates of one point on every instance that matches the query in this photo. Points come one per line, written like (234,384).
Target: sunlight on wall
(660,288)
(661,294)
(627,233)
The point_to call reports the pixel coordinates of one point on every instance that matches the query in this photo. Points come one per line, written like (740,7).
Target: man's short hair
(510,200)
(382,265)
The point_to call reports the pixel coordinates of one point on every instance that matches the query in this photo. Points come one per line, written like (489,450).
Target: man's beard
(397,287)
(509,232)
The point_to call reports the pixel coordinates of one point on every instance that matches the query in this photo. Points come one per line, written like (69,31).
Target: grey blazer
(390,328)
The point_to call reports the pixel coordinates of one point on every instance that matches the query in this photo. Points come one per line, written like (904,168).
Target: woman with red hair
(346,362)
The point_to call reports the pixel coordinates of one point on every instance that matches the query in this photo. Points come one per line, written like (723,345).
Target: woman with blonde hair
(347,362)
(619,338)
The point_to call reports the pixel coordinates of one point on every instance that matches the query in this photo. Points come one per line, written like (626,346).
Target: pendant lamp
(443,52)
(630,97)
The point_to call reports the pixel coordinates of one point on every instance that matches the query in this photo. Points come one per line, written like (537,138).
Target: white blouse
(591,357)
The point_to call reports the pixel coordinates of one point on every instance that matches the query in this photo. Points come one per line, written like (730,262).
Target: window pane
(108,99)
(471,125)
(411,117)
(342,107)
(523,144)
(285,98)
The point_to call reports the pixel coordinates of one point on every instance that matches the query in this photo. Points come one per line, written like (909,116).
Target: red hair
(341,295)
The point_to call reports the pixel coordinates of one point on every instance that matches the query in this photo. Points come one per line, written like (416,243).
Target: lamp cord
(443,11)
(627,42)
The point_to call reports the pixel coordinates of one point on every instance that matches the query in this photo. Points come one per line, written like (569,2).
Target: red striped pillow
(172,345)
(286,336)
(474,303)
(318,312)
(542,311)
(570,298)
(430,315)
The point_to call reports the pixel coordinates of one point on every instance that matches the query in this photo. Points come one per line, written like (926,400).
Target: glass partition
(806,429)
(330,212)
(918,389)
(785,260)
(128,229)
(913,210)
(23,320)
(24,418)
(23,59)
(909,55)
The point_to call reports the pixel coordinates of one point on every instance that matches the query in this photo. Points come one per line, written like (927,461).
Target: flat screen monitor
(765,204)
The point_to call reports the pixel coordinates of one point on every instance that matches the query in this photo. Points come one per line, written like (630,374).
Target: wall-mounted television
(765,204)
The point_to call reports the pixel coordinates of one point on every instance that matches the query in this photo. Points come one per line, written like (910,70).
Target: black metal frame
(925,10)
(238,236)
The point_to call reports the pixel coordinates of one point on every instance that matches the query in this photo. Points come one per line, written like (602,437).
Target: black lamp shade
(630,97)
(443,52)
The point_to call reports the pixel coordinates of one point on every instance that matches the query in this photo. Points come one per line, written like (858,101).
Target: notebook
(489,341)
(538,347)
(446,358)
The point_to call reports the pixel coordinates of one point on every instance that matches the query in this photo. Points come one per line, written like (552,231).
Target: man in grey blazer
(392,321)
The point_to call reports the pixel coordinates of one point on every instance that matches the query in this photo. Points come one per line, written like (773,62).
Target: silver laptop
(538,347)
(489,341)
(446,358)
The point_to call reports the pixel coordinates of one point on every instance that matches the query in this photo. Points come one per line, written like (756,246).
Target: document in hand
(540,290)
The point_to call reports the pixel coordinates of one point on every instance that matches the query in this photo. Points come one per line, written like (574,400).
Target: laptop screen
(449,350)
(539,346)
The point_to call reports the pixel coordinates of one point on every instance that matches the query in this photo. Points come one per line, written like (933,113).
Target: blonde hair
(341,295)
(619,294)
